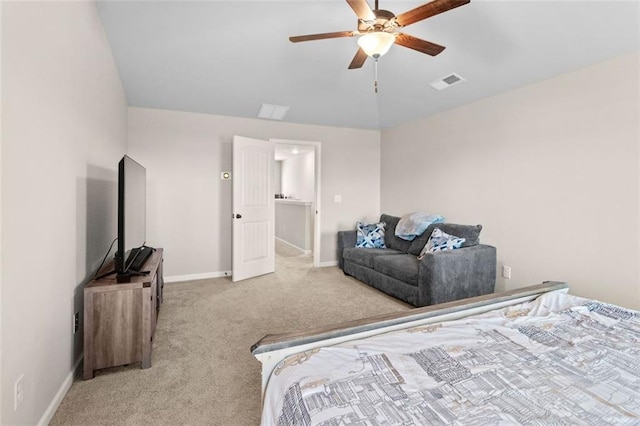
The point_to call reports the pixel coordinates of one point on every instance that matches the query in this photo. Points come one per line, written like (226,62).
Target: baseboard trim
(57,399)
(193,277)
(303,251)
(330,263)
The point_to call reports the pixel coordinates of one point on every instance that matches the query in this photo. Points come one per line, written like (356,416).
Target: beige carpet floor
(202,370)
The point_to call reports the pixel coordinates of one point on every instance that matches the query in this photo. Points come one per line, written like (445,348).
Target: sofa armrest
(457,274)
(345,239)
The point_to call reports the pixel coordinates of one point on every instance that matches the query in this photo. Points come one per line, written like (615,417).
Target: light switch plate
(18,392)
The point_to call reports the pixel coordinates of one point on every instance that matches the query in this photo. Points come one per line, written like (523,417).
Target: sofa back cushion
(390,239)
(471,234)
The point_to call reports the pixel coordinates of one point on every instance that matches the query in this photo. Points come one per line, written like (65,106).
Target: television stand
(120,318)
(126,277)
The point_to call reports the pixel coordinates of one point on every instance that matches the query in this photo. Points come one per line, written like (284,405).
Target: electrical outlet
(506,272)
(18,392)
(76,322)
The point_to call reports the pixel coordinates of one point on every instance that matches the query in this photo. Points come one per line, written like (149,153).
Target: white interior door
(253,208)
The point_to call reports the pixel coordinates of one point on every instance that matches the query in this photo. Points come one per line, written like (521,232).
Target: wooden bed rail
(274,348)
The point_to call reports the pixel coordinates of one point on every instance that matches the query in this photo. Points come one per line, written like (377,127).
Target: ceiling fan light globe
(377,43)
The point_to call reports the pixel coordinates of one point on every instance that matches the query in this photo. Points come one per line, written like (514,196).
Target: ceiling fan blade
(428,10)
(358,60)
(308,37)
(362,10)
(420,45)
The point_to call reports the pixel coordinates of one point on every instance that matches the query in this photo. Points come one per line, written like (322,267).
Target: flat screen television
(132,212)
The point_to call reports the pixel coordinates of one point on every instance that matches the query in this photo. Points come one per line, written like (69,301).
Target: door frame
(316,186)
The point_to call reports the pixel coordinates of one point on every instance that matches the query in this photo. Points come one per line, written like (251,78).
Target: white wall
(277,178)
(189,207)
(551,171)
(298,176)
(64,130)
(293,223)
(1,256)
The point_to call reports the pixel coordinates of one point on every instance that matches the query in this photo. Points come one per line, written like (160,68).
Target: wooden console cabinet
(120,318)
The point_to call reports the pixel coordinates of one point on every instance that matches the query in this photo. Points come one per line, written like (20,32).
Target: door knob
(238,216)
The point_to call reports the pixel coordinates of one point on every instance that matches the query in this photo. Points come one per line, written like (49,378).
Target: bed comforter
(559,359)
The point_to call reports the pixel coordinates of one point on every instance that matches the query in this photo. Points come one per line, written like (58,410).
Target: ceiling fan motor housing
(385,21)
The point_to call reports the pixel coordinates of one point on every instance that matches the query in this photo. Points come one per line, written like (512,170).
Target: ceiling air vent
(445,82)
(272,112)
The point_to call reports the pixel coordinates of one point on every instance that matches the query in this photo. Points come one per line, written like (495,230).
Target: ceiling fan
(378,29)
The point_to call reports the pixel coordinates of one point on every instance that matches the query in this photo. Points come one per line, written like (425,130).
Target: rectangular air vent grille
(451,79)
(272,112)
(446,82)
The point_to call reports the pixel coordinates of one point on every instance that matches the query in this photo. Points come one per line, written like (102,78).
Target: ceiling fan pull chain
(375,76)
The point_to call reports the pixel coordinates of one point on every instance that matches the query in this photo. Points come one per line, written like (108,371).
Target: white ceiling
(228,57)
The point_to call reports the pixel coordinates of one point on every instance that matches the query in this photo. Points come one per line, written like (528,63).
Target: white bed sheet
(559,359)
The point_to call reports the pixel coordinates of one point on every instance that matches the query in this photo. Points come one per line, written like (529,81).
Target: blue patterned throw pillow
(370,235)
(439,241)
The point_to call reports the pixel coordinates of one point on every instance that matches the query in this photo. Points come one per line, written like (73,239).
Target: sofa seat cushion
(365,256)
(404,267)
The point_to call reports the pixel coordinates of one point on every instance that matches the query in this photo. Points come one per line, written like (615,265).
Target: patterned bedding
(559,359)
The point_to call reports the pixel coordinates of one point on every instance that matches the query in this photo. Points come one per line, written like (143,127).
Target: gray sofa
(439,277)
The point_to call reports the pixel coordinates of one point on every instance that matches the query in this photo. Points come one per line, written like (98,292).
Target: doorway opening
(296,183)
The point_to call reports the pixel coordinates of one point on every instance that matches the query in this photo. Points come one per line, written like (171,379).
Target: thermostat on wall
(225,175)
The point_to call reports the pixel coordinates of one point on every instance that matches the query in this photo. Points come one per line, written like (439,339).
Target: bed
(536,355)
